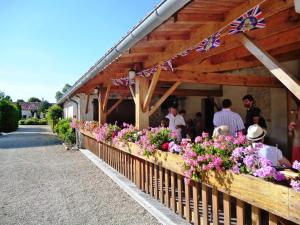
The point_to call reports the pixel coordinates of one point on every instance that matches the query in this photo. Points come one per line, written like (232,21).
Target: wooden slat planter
(220,198)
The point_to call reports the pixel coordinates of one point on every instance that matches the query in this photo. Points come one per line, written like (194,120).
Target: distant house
(29,109)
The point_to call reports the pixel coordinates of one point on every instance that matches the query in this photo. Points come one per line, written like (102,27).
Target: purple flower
(236,169)
(249,160)
(295,185)
(173,147)
(279,176)
(265,172)
(296,165)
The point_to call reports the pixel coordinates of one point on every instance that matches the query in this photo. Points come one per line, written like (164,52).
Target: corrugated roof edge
(156,17)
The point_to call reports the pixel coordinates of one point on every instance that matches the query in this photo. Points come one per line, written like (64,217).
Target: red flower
(165,146)
(114,133)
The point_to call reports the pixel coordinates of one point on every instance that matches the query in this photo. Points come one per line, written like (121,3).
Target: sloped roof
(30,105)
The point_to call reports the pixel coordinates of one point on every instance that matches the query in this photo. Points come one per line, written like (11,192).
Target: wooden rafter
(151,89)
(201,33)
(220,79)
(164,97)
(115,105)
(105,97)
(289,81)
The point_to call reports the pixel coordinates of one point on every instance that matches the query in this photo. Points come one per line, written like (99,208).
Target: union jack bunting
(185,53)
(124,81)
(212,41)
(252,19)
(147,72)
(167,65)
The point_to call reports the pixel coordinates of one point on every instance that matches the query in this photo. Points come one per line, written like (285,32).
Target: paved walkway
(41,183)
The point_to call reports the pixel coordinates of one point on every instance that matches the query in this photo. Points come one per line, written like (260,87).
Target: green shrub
(65,131)
(55,113)
(33,121)
(9,116)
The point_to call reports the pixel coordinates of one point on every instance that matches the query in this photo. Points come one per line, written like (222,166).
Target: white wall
(70,109)
(27,113)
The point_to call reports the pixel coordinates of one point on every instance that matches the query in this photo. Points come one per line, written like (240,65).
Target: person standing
(253,115)
(294,132)
(176,121)
(228,118)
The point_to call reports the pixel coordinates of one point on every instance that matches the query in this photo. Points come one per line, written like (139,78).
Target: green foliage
(65,132)
(9,116)
(66,88)
(161,137)
(58,95)
(33,121)
(33,99)
(45,105)
(55,113)
(6,97)
(20,110)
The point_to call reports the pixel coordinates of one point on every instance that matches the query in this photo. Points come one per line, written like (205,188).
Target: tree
(44,106)
(3,96)
(34,99)
(66,88)
(20,100)
(55,113)
(58,95)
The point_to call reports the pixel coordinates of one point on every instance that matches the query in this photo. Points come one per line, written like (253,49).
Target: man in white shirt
(256,135)
(228,118)
(176,121)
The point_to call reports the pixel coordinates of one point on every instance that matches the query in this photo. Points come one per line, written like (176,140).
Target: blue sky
(45,44)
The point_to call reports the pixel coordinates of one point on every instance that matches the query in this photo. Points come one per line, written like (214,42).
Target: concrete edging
(159,211)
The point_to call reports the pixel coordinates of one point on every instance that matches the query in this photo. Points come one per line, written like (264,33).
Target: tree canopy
(34,99)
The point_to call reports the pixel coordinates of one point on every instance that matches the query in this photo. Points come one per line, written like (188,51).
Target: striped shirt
(231,119)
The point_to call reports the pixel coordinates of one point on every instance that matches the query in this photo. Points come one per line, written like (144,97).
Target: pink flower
(205,134)
(198,139)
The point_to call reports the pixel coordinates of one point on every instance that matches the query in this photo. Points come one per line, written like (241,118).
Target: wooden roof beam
(289,81)
(197,18)
(220,79)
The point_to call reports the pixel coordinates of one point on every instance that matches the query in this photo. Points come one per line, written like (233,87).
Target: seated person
(221,130)
(164,122)
(256,135)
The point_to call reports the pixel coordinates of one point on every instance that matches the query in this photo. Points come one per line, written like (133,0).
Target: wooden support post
(141,117)
(102,115)
(288,80)
(105,97)
(151,89)
(164,97)
(87,104)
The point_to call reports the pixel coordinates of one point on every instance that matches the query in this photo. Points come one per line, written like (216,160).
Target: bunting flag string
(252,19)
(123,81)
(212,41)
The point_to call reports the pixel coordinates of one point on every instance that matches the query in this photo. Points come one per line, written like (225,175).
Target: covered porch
(159,59)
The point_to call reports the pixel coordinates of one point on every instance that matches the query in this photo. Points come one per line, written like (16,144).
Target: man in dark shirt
(253,113)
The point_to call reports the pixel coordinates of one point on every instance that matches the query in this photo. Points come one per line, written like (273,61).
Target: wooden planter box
(277,199)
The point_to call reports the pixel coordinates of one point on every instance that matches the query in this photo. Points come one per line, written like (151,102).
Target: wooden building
(262,62)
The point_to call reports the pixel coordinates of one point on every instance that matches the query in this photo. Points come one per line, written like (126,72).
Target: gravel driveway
(41,183)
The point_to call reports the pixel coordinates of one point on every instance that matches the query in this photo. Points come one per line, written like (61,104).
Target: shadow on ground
(29,136)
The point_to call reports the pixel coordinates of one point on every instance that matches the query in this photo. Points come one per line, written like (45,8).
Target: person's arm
(285,162)
(240,124)
(291,128)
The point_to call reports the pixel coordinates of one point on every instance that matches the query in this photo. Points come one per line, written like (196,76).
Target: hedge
(65,132)
(9,116)
(33,121)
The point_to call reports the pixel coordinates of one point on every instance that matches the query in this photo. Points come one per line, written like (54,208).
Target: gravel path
(41,183)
